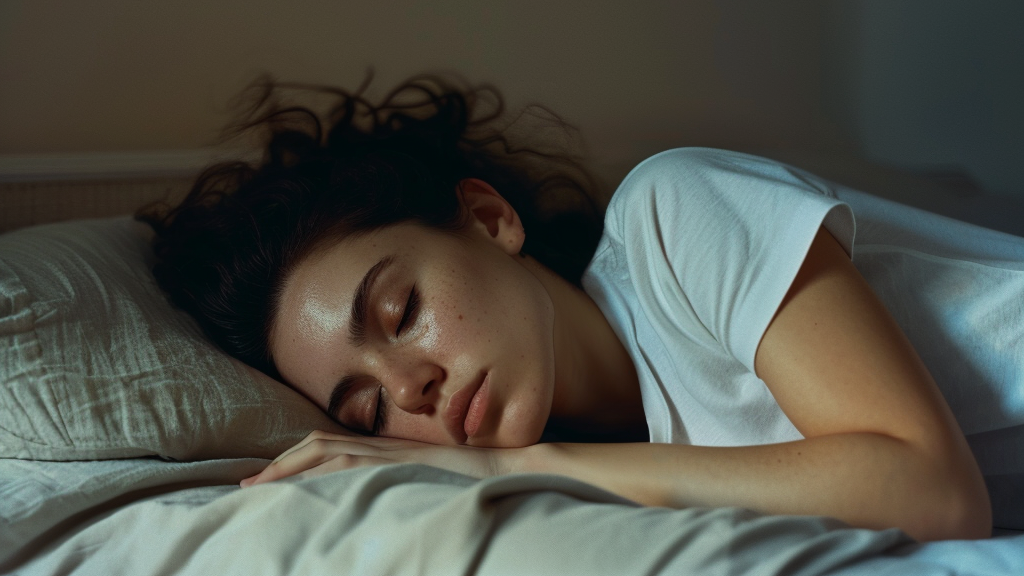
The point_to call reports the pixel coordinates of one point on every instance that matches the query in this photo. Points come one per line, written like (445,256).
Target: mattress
(149,517)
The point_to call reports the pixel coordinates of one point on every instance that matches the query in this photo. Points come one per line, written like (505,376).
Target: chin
(517,432)
(521,420)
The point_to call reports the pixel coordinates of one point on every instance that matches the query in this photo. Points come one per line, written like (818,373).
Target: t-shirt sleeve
(717,237)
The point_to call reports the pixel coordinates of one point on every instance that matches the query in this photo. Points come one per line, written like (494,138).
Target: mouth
(466,408)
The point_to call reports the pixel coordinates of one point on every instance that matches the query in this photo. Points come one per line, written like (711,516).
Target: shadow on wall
(932,85)
(916,100)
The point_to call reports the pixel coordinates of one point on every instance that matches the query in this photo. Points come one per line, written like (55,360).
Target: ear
(490,215)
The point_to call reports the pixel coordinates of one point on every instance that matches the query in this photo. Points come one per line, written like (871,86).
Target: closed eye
(412,306)
(379,414)
(366,405)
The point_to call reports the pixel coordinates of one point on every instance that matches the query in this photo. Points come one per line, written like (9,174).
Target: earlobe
(491,215)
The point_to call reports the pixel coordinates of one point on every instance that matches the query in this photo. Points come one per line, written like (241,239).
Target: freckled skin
(481,311)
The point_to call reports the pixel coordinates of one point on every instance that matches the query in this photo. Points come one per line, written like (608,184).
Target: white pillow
(95,363)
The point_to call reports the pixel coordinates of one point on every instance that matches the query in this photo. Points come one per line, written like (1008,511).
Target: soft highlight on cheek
(429,340)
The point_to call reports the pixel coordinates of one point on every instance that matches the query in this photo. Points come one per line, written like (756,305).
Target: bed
(124,433)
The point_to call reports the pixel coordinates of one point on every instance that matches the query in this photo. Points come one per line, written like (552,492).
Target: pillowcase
(95,363)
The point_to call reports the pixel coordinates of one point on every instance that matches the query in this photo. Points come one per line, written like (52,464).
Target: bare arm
(882,448)
(867,480)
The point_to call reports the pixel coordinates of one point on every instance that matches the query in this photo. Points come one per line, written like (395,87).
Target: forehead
(314,306)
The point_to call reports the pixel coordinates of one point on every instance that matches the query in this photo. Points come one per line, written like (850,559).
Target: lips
(477,410)
(459,407)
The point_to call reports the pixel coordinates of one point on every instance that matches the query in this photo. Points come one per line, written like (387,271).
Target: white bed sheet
(150,517)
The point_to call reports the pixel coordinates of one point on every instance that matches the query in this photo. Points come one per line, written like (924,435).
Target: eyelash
(378,417)
(412,306)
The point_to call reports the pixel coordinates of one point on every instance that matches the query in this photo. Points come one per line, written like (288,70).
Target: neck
(597,393)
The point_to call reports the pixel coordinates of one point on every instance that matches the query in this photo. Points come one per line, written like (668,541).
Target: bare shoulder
(836,360)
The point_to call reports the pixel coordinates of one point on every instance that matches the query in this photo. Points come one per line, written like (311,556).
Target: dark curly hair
(224,252)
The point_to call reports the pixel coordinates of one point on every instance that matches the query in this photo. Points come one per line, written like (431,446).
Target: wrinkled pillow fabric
(95,363)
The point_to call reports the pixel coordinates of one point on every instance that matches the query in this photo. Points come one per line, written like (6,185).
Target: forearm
(867,480)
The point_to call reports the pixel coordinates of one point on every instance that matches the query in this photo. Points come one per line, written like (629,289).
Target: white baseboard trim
(113,165)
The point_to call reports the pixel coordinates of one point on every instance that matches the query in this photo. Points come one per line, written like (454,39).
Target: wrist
(541,458)
(527,459)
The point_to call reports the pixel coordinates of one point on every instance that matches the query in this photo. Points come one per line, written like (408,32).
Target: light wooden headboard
(37,189)
(28,203)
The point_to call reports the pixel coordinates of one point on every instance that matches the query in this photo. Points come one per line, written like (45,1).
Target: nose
(414,387)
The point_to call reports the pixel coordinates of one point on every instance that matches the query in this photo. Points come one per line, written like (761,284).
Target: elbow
(969,515)
(960,509)
(956,517)
(943,494)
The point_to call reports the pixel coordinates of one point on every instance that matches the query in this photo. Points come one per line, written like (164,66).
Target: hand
(323,452)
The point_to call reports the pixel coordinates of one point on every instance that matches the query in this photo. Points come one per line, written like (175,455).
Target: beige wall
(636,76)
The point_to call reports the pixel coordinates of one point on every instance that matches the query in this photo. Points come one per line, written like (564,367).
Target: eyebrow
(361,301)
(356,331)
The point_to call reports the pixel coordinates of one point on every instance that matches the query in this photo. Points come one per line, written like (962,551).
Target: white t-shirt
(700,247)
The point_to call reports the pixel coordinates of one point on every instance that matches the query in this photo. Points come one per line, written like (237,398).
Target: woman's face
(425,335)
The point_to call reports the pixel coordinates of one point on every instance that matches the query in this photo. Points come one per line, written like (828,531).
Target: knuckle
(319,445)
(316,434)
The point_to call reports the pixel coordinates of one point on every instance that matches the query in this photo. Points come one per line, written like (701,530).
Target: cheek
(433,324)
(458,315)
(441,332)
(490,310)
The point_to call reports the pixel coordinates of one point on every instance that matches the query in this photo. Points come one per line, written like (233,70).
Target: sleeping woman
(457,297)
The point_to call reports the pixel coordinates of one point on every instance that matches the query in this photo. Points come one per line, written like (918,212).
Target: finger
(312,436)
(343,462)
(327,445)
(311,453)
(296,460)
